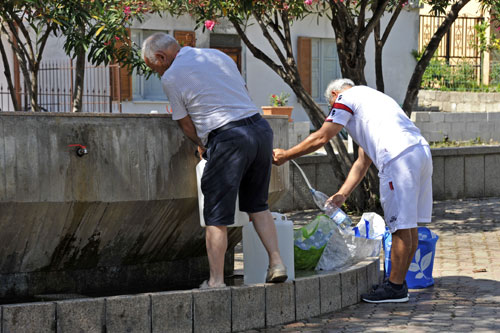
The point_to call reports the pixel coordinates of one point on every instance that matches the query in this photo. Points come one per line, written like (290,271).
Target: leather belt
(237,123)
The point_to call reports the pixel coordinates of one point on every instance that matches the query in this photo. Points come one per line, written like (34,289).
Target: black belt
(237,123)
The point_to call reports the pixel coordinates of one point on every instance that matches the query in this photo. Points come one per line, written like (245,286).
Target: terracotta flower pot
(278,110)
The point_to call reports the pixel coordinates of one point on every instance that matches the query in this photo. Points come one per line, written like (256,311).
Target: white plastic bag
(343,250)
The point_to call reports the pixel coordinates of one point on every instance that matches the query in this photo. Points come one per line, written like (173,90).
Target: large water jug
(240,218)
(255,257)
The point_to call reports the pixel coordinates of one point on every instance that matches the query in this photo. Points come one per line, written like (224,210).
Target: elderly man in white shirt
(210,102)
(387,137)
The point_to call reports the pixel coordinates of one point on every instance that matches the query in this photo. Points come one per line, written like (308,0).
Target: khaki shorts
(406,188)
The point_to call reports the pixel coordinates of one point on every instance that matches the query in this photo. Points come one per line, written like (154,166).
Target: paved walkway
(466,294)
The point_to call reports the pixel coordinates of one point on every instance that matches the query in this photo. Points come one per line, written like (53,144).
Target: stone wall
(125,215)
(436,126)
(229,309)
(458,101)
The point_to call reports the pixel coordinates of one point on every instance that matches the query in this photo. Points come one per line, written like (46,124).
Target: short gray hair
(159,41)
(337,85)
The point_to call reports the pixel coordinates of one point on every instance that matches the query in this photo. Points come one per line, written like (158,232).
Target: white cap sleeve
(340,114)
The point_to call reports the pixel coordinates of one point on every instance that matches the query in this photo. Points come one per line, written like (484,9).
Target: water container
(255,257)
(240,218)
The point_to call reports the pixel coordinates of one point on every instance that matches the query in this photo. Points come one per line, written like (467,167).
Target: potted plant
(278,106)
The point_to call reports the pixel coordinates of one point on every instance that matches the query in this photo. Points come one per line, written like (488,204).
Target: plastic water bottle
(331,210)
(338,216)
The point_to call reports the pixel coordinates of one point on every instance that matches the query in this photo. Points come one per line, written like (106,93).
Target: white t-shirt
(376,122)
(206,84)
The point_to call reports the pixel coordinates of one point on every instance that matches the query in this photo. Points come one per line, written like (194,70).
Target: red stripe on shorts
(391,186)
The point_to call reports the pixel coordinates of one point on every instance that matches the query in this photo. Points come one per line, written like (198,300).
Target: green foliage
(100,29)
(208,13)
(279,100)
(460,77)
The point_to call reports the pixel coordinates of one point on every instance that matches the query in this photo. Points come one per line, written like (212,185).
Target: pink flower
(209,24)
(308,2)
(285,6)
(117,38)
(126,10)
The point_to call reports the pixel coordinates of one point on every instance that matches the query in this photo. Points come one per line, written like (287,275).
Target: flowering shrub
(279,100)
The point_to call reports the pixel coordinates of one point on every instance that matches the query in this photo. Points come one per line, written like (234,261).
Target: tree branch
(392,21)
(377,14)
(43,42)
(275,26)
(288,43)
(257,53)
(271,41)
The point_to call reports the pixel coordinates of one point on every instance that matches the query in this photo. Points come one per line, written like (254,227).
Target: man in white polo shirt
(210,102)
(387,137)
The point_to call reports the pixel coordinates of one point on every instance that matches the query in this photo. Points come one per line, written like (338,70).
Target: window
(325,66)
(318,65)
(142,89)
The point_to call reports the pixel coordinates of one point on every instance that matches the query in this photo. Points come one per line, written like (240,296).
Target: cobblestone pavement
(466,294)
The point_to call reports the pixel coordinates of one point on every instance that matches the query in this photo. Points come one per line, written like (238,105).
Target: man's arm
(187,126)
(356,174)
(312,143)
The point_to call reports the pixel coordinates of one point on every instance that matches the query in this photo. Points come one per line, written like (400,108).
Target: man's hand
(201,150)
(338,199)
(279,156)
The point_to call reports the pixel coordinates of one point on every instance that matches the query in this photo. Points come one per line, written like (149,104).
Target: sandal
(205,285)
(276,274)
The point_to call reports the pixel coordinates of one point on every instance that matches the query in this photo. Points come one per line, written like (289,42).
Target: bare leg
(216,241)
(264,225)
(403,249)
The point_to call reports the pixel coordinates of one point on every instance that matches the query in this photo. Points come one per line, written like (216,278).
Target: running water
(319,197)
(330,209)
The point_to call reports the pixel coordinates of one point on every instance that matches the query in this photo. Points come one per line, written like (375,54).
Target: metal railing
(457,61)
(56,86)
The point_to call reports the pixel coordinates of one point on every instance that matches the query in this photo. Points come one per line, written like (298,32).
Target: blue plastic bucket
(420,273)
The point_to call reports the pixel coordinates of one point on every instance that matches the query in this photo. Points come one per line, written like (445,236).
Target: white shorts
(406,188)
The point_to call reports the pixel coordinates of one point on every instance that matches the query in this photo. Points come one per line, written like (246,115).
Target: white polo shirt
(376,122)
(206,84)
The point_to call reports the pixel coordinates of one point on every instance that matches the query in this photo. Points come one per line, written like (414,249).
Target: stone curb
(229,309)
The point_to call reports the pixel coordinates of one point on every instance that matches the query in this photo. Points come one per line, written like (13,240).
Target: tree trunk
(8,76)
(79,80)
(416,78)
(352,64)
(379,74)
(288,71)
(33,88)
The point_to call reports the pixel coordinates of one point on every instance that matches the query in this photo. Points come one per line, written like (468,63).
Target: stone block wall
(435,126)
(457,101)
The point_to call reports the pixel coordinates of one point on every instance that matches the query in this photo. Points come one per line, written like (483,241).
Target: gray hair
(337,85)
(159,41)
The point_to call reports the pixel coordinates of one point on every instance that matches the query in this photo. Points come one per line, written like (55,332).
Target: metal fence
(457,61)
(56,86)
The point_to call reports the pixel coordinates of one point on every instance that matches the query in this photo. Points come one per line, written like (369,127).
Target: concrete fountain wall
(124,215)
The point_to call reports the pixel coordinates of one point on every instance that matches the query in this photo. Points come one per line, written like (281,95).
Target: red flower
(209,24)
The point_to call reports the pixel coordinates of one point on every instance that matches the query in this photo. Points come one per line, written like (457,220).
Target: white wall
(398,63)
(397,60)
